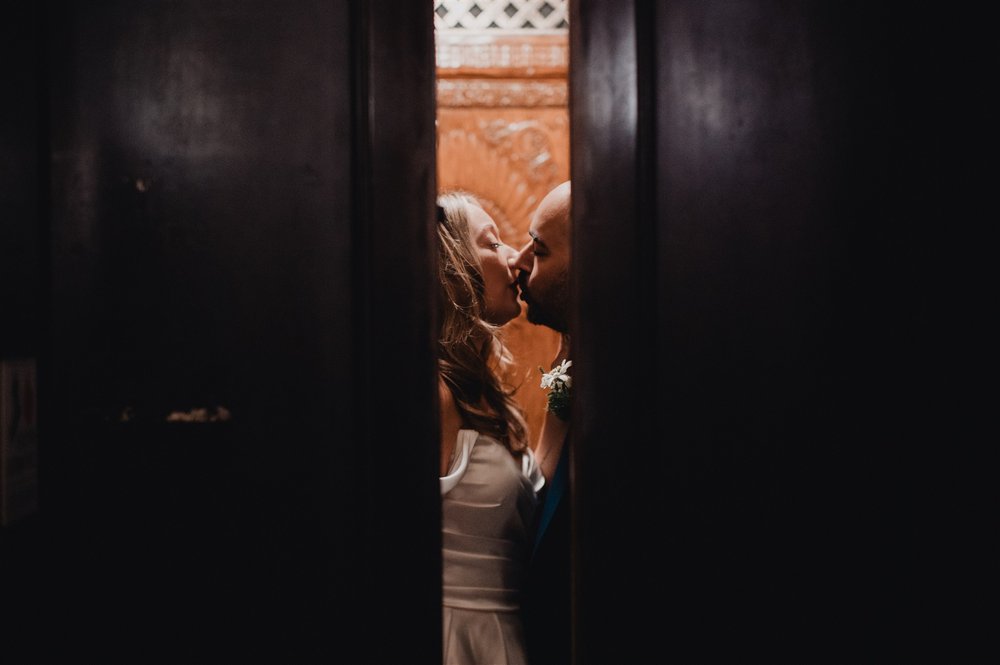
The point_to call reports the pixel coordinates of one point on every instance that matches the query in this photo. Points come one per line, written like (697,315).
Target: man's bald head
(553,211)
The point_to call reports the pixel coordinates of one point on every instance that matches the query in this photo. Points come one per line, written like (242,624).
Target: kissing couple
(505,517)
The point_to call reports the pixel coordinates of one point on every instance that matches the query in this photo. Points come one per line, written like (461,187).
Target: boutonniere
(558,383)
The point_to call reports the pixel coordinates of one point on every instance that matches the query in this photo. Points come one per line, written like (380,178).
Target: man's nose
(524,259)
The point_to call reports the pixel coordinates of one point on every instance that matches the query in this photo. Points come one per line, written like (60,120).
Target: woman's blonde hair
(471,354)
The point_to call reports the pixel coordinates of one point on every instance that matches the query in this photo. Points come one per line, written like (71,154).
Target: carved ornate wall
(503,135)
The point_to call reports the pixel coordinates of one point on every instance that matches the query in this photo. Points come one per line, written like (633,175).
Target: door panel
(238,251)
(758,210)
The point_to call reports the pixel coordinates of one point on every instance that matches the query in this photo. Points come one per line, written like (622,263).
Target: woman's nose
(520,260)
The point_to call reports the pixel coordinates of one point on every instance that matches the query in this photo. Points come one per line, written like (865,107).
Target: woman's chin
(509,313)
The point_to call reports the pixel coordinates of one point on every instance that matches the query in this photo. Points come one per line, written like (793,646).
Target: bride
(489,477)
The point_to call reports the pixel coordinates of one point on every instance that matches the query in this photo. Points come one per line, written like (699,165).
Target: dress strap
(463,450)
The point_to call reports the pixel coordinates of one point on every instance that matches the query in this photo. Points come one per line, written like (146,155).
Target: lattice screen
(501,14)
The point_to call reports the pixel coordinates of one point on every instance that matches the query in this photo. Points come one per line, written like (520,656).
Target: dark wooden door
(784,468)
(234,210)
(238,428)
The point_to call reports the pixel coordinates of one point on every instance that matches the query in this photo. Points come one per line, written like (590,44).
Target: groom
(544,282)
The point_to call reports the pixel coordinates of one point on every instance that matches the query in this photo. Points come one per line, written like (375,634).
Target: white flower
(558,383)
(558,378)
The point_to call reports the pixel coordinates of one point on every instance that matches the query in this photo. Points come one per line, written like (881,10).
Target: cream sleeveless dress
(488,500)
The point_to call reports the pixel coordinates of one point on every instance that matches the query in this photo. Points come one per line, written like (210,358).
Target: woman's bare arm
(451,422)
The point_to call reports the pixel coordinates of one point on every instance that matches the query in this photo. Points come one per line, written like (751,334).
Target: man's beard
(549,307)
